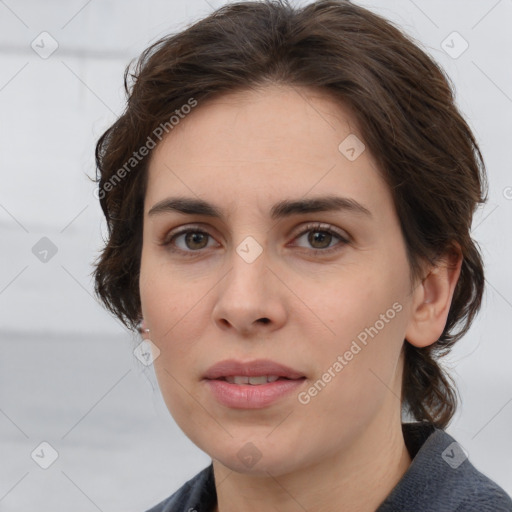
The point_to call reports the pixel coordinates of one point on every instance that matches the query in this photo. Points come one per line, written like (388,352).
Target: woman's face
(325,293)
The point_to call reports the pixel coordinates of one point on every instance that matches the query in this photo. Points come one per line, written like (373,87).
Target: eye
(320,236)
(192,241)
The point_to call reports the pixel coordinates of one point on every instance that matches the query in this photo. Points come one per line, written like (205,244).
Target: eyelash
(322,228)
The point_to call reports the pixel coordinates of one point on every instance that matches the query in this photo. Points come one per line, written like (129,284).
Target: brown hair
(405,109)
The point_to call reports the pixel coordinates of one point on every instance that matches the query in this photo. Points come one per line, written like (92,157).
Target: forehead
(262,145)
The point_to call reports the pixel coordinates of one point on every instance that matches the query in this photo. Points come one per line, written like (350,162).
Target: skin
(344,450)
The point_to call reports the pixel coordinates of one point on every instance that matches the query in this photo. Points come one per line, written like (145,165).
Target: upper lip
(257,367)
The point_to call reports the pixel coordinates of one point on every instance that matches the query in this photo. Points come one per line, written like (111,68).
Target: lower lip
(247,396)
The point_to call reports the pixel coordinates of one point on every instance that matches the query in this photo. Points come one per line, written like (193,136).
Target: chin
(261,467)
(258,457)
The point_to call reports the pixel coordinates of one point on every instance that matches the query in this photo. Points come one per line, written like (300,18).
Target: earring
(141,327)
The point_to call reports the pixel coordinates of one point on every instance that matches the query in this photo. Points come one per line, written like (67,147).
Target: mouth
(254,381)
(256,372)
(251,385)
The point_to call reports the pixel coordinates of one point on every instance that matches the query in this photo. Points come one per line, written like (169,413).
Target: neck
(357,479)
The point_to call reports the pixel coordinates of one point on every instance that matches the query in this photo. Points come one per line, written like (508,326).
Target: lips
(257,368)
(252,385)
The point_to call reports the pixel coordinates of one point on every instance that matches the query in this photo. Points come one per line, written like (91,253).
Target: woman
(289,197)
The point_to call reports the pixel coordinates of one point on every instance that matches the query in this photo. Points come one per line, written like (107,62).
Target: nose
(251,298)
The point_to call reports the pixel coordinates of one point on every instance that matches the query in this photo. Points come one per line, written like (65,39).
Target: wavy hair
(403,103)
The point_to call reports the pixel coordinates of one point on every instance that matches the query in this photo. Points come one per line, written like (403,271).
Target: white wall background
(67,372)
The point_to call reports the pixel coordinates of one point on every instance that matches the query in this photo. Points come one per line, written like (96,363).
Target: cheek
(366,313)
(177,335)
(357,303)
(171,312)
(168,297)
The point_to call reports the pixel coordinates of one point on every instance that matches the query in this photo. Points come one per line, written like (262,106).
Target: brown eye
(196,239)
(320,238)
(188,241)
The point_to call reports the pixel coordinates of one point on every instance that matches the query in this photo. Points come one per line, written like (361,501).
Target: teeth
(258,380)
(255,381)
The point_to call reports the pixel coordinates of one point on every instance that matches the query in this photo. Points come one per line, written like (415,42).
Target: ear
(432,299)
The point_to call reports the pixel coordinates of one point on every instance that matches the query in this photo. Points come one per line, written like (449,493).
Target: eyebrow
(282,209)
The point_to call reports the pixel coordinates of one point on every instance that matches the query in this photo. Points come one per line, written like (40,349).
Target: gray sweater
(440,479)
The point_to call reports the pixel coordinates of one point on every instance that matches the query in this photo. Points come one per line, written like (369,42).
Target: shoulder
(469,489)
(441,478)
(483,495)
(197,494)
